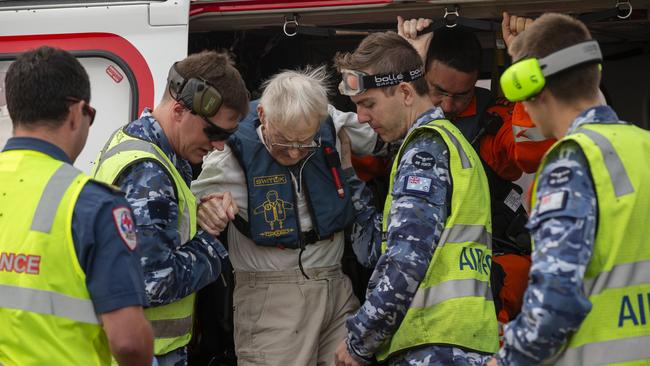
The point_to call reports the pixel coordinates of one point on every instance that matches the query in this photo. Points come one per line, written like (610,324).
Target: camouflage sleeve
(421,193)
(172,270)
(366,230)
(562,224)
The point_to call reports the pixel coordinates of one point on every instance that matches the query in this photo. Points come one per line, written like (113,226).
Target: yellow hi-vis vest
(453,304)
(617,279)
(171,323)
(46,314)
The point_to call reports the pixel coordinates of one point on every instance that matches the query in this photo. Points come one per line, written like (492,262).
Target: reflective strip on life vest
(622,275)
(51,197)
(464,160)
(171,328)
(148,147)
(523,134)
(608,352)
(430,296)
(47,302)
(466,233)
(615,168)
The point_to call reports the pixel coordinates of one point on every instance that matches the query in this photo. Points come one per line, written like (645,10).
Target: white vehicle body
(126,48)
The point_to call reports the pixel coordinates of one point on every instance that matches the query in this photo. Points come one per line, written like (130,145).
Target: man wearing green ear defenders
(589,291)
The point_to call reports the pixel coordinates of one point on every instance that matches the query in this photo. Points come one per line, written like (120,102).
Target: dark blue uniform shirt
(113,272)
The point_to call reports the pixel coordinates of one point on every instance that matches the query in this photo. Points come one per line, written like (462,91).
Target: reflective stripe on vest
(609,352)
(622,275)
(617,173)
(147,147)
(460,233)
(457,280)
(452,289)
(51,198)
(170,328)
(465,163)
(47,302)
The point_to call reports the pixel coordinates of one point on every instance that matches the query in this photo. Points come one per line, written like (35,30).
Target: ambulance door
(126,48)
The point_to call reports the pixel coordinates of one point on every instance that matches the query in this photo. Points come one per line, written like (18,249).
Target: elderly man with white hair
(283,169)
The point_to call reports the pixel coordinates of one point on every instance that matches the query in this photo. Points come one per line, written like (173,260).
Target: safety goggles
(355,82)
(87,109)
(216,133)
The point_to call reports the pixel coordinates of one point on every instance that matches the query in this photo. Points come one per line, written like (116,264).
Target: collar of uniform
(598,114)
(430,115)
(470,111)
(31,143)
(148,128)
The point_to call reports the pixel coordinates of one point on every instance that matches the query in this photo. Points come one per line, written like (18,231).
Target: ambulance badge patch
(125,227)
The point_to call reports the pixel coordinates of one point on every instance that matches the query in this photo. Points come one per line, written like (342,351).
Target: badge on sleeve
(560,176)
(423,160)
(419,185)
(125,226)
(552,202)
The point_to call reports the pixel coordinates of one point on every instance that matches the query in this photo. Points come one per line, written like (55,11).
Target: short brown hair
(218,69)
(550,33)
(384,53)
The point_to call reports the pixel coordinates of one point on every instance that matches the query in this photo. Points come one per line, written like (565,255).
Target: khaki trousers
(282,318)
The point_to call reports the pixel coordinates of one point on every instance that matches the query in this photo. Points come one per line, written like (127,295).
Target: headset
(527,77)
(196,94)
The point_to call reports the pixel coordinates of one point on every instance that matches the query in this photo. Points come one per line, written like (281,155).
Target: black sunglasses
(87,109)
(216,133)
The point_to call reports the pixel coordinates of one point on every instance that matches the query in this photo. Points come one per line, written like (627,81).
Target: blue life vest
(272,204)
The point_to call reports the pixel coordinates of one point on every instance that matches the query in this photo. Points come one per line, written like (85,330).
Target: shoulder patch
(552,202)
(423,160)
(560,176)
(125,226)
(415,184)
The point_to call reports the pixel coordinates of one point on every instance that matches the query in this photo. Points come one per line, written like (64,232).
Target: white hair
(292,96)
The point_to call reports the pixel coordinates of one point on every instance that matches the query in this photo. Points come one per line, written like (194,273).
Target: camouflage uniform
(554,304)
(415,224)
(172,270)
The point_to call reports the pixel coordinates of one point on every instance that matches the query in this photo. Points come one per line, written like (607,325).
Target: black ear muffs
(196,94)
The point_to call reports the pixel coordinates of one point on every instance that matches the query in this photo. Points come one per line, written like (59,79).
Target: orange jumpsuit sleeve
(518,145)
(498,150)
(530,144)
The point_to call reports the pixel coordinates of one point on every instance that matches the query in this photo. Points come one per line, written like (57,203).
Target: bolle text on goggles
(356,82)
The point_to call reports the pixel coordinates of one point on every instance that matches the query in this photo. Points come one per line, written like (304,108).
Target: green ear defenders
(527,77)
(195,93)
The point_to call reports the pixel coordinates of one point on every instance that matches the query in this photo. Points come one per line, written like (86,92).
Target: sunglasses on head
(87,109)
(216,133)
